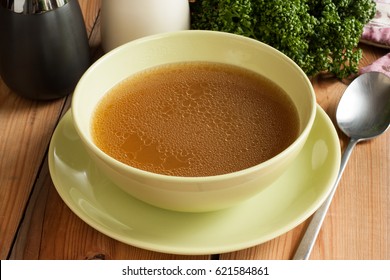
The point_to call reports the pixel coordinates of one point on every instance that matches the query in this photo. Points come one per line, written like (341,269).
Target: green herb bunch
(319,35)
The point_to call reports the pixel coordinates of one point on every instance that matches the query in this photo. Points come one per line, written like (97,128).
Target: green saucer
(284,205)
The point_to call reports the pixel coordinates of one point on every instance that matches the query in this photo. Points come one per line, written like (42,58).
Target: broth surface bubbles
(195,119)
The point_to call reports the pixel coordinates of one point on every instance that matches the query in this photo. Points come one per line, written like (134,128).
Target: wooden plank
(26,127)
(90,9)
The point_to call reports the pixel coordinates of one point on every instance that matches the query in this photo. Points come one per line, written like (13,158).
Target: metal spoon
(362,114)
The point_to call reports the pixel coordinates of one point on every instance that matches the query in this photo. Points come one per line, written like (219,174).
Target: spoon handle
(306,245)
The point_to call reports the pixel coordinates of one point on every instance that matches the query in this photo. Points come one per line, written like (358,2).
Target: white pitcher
(125,20)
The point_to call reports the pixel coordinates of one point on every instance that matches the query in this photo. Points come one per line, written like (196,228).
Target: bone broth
(195,119)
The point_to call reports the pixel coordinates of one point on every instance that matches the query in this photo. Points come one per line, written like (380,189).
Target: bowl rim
(196,179)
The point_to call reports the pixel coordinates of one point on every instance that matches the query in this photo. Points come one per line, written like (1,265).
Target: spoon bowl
(364,110)
(363,113)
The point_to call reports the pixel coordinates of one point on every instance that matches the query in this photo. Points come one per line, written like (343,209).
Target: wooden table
(36,224)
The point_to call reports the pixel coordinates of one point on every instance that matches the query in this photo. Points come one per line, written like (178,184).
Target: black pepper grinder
(43,47)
